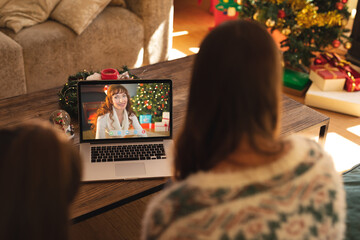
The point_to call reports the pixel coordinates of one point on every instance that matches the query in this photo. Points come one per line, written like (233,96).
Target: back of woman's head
(39,176)
(234,94)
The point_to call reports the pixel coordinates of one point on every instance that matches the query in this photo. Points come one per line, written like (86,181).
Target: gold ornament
(347,45)
(344,22)
(297,32)
(255,16)
(286,31)
(270,23)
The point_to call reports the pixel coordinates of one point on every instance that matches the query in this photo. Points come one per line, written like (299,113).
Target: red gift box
(327,77)
(147,125)
(352,82)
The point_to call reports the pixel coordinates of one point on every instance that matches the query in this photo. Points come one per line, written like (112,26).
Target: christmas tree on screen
(153,99)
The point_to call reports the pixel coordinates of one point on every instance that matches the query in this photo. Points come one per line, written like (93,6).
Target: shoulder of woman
(104,116)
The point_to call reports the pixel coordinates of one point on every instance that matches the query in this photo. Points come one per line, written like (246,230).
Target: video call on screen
(150,110)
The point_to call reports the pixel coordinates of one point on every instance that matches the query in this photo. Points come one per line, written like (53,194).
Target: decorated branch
(308,26)
(68,94)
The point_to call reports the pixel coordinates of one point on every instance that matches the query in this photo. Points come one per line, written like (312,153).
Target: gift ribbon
(328,68)
(350,85)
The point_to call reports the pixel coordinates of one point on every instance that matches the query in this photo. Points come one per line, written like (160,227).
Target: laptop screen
(124,109)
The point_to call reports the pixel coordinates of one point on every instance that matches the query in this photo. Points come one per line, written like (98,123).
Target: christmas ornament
(339,6)
(336,43)
(281,13)
(344,1)
(61,119)
(286,31)
(347,45)
(270,23)
(256,15)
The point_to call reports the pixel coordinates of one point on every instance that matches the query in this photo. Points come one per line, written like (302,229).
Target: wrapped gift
(166,117)
(147,125)
(295,83)
(327,77)
(161,126)
(145,118)
(352,82)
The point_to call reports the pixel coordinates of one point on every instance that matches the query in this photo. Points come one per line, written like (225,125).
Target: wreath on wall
(68,94)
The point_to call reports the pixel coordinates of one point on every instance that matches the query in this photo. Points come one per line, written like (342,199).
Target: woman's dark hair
(40,172)
(235,94)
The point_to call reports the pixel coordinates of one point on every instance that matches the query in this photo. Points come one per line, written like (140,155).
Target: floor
(191,24)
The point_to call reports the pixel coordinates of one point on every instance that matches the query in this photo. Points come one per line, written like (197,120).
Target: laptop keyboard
(127,153)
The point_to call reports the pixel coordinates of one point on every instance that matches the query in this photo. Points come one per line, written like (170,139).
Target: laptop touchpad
(130,169)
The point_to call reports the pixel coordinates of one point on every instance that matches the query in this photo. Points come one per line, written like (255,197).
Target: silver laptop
(125,128)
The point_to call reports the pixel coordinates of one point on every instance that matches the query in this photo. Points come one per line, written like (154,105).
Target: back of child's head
(40,174)
(235,93)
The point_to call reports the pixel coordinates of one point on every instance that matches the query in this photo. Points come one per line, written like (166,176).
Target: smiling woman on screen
(116,116)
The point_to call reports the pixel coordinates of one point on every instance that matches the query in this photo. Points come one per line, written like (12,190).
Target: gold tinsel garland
(309,17)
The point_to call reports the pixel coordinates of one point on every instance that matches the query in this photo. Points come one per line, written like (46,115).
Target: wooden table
(98,197)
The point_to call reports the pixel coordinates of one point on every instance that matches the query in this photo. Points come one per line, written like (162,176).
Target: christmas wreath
(68,94)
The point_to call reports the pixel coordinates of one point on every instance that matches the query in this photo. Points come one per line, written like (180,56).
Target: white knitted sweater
(299,196)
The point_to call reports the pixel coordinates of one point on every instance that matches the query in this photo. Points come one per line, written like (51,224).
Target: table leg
(323,133)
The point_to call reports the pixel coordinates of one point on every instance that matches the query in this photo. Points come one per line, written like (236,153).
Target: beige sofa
(44,55)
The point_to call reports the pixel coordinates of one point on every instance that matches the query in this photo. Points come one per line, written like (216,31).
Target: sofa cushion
(12,75)
(78,14)
(120,3)
(16,14)
(53,51)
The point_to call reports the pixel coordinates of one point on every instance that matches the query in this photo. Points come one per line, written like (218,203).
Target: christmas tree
(153,99)
(309,26)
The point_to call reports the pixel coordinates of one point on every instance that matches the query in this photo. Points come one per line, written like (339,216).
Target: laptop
(125,129)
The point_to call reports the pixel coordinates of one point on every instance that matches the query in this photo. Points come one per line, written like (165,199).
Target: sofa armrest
(12,73)
(158,25)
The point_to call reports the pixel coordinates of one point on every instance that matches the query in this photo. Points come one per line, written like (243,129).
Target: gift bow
(330,69)
(332,58)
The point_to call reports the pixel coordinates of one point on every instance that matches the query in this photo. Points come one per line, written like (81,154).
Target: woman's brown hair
(40,173)
(235,94)
(106,107)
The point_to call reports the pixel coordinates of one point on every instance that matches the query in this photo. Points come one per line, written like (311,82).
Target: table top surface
(296,117)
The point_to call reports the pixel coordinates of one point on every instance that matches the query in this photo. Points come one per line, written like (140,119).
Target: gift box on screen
(161,126)
(327,77)
(145,118)
(166,116)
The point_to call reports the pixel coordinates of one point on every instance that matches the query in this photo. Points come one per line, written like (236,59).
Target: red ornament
(281,14)
(336,43)
(339,6)
(149,107)
(162,96)
(141,84)
(318,61)
(344,1)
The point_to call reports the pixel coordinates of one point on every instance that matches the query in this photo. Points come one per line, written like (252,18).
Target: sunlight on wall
(175,54)
(180,33)
(194,49)
(344,152)
(355,130)
(353,13)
